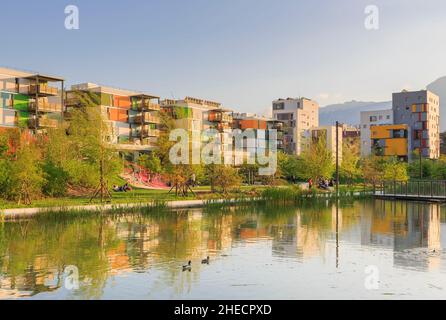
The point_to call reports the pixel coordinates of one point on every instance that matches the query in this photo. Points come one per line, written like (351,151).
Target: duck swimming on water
(205,261)
(188,266)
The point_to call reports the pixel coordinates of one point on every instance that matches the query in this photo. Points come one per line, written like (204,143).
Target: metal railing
(414,188)
(45,106)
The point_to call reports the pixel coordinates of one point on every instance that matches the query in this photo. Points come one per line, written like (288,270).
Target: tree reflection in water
(35,252)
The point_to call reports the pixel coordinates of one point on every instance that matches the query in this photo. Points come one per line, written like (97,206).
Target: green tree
(316,161)
(373,168)
(350,169)
(224,178)
(91,159)
(26,175)
(395,170)
(288,166)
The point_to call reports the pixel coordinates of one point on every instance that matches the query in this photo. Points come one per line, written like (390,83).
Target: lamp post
(421,167)
(337,158)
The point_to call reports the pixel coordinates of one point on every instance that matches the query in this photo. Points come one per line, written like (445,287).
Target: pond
(367,249)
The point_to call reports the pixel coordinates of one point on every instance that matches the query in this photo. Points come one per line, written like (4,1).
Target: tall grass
(153,207)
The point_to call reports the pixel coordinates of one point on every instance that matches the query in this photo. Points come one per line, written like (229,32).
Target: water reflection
(139,256)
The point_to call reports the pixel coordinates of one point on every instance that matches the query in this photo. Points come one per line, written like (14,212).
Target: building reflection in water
(32,258)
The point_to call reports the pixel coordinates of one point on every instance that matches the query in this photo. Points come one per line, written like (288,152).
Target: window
(387,117)
(380,117)
(284,116)
(364,126)
(279,106)
(399,133)
(373,119)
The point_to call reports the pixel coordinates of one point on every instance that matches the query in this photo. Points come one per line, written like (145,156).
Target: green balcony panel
(21,102)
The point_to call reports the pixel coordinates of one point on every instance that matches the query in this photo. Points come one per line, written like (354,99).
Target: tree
(26,175)
(377,168)
(288,166)
(395,170)
(225,178)
(373,168)
(179,175)
(151,163)
(316,161)
(350,168)
(92,159)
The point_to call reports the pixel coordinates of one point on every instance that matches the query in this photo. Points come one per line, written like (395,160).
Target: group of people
(123,188)
(324,184)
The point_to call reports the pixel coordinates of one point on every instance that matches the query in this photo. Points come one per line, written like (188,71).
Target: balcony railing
(147,106)
(150,133)
(146,118)
(44,106)
(43,89)
(33,123)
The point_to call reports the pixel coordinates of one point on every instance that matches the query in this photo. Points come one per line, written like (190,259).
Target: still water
(374,250)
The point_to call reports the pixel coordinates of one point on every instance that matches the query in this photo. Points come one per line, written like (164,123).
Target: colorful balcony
(146,118)
(219,116)
(43,89)
(147,106)
(44,106)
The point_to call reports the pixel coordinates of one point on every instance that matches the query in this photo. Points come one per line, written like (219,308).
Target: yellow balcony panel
(385,131)
(396,147)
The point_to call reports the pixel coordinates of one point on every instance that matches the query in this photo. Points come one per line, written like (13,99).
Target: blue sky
(243,53)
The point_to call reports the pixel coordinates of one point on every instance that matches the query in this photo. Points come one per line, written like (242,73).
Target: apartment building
(297,115)
(191,114)
(372,118)
(255,123)
(390,140)
(133,116)
(420,110)
(30,100)
(328,133)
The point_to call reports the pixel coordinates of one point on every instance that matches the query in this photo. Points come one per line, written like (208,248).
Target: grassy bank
(285,194)
(134,196)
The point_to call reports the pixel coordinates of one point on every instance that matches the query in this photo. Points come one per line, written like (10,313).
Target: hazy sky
(243,53)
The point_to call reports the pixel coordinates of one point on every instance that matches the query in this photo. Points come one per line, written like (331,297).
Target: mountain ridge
(349,112)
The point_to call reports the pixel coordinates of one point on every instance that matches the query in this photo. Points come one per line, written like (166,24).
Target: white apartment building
(298,115)
(369,118)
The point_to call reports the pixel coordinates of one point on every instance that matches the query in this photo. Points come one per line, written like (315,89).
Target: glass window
(279,106)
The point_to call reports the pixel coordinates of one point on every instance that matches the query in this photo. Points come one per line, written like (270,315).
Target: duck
(188,266)
(205,261)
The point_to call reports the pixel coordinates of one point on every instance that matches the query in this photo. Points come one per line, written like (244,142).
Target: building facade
(420,110)
(297,115)
(390,140)
(368,119)
(133,117)
(30,100)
